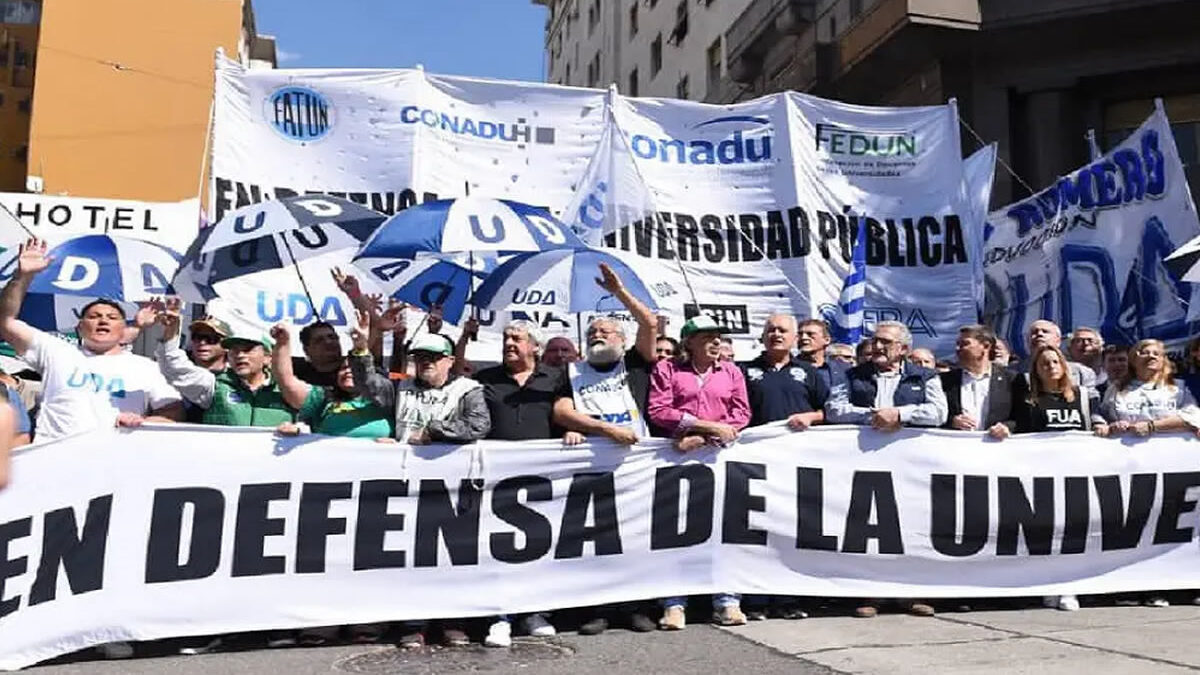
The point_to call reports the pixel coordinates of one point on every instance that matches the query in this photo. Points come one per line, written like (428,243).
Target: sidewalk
(1100,640)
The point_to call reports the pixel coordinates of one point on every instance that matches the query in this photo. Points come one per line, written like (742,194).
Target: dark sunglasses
(207,338)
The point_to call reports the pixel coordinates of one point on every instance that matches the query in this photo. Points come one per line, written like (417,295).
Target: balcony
(762,24)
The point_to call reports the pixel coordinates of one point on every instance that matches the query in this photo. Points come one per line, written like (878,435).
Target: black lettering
(122,218)
(686,245)
(374,522)
(872,489)
(664,520)
(714,248)
(752,237)
(1121,526)
(457,525)
(80,554)
(777,236)
(1077,514)
(739,502)
(224,196)
(826,232)
(877,243)
(536,528)
(1017,515)
(12,567)
(314,524)
(253,527)
(166,533)
(596,492)
(798,232)
(954,249)
(1174,504)
(810,511)
(928,228)
(943,500)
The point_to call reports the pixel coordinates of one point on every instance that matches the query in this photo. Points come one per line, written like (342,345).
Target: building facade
(111,98)
(668,48)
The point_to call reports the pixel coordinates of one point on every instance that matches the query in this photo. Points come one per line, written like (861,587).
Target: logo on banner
(520,132)
(299,114)
(735,318)
(836,139)
(748,143)
(915,319)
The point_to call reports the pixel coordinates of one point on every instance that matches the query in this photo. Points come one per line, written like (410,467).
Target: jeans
(719,601)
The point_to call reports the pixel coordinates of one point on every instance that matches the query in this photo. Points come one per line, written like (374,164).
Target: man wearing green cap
(243,394)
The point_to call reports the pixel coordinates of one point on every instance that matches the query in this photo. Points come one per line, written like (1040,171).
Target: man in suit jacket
(978,393)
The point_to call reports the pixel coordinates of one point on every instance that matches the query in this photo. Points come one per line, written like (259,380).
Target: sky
(485,38)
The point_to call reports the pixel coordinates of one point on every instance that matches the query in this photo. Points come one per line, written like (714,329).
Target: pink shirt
(678,399)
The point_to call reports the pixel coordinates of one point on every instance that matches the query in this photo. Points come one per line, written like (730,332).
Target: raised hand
(32,258)
(148,313)
(393,318)
(170,318)
(609,280)
(360,334)
(471,328)
(281,335)
(347,283)
(372,302)
(435,320)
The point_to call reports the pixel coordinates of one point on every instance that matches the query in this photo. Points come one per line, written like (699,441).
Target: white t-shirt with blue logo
(82,392)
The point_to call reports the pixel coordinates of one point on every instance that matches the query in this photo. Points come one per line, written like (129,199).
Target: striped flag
(848,328)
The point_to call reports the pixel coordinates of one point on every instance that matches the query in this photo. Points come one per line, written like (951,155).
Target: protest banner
(742,210)
(1088,250)
(180,530)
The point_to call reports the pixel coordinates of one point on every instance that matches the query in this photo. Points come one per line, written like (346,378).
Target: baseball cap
(263,340)
(433,343)
(701,323)
(212,323)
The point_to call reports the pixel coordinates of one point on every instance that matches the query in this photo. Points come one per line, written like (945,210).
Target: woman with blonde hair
(1147,400)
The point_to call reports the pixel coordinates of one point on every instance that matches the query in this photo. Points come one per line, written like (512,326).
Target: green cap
(263,340)
(432,343)
(701,323)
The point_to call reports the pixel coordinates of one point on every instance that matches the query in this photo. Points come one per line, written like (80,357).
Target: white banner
(182,530)
(749,202)
(1088,250)
(170,224)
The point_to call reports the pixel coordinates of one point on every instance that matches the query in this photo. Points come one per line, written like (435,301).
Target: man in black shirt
(813,342)
(520,392)
(323,355)
(780,386)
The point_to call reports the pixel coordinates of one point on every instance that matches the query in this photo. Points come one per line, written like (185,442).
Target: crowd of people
(688,389)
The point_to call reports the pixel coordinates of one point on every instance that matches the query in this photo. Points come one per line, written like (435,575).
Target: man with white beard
(610,388)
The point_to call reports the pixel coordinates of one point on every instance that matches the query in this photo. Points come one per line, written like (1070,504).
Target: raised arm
(293,389)
(194,383)
(470,331)
(647,320)
(368,381)
(31,260)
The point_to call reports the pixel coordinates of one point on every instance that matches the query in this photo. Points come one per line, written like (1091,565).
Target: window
(681,23)
(656,55)
(855,8)
(593,76)
(567,76)
(25,105)
(20,11)
(593,17)
(714,63)
(681,87)
(633,20)
(633,83)
(832,28)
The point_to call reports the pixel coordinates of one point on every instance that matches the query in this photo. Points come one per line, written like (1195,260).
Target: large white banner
(171,224)
(744,208)
(182,530)
(1088,250)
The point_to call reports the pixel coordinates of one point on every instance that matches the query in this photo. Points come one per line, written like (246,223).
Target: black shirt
(1052,412)
(303,369)
(776,394)
(523,413)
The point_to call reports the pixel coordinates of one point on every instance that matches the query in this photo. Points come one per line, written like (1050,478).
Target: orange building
(121,93)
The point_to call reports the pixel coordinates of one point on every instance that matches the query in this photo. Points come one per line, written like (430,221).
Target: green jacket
(234,405)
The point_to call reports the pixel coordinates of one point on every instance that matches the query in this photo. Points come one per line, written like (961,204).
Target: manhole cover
(524,652)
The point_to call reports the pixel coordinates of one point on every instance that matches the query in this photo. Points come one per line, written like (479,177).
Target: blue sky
(485,38)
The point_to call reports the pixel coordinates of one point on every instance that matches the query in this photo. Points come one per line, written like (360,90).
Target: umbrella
(423,282)
(470,224)
(563,280)
(1184,262)
(272,235)
(104,266)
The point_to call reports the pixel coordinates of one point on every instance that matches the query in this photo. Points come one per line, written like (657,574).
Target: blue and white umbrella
(426,281)
(272,235)
(563,280)
(470,224)
(104,266)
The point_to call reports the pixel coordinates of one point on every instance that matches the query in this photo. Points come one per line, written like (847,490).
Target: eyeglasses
(206,338)
(884,342)
(602,332)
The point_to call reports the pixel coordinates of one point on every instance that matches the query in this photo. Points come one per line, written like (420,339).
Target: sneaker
(1156,601)
(673,618)
(499,635)
(866,612)
(318,637)
(281,638)
(593,626)
(537,626)
(199,645)
(791,612)
(729,615)
(640,623)
(115,650)
(1067,603)
(756,615)
(1050,601)
(453,636)
(917,608)
(412,641)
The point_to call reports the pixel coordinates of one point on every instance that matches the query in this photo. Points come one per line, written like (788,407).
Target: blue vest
(909,391)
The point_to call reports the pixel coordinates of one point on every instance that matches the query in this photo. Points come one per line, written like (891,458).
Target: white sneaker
(116,650)
(499,635)
(1068,603)
(537,626)
(1050,601)
(1156,601)
(200,646)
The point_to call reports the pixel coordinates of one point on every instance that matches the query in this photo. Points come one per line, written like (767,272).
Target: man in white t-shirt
(95,385)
